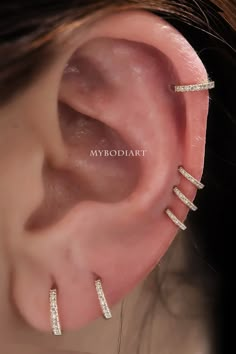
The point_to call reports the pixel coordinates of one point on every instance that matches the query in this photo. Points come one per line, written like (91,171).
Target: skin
(67,217)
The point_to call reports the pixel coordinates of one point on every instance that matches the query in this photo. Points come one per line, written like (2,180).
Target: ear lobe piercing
(183,198)
(55,320)
(102,300)
(195,87)
(54,313)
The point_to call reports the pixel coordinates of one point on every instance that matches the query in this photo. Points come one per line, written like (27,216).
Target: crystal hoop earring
(194,87)
(183,198)
(102,300)
(54,314)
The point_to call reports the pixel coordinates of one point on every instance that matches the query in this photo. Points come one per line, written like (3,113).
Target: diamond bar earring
(194,87)
(183,198)
(55,320)
(190,178)
(102,300)
(175,220)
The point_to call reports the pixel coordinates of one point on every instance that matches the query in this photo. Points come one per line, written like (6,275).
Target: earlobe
(115,93)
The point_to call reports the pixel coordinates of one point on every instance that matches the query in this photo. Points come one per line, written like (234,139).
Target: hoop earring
(54,314)
(175,220)
(190,178)
(183,198)
(194,87)
(102,300)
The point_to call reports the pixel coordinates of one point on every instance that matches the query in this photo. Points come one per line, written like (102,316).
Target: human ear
(104,217)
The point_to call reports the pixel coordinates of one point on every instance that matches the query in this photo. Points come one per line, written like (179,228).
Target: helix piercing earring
(55,321)
(175,220)
(195,87)
(190,178)
(102,300)
(183,198)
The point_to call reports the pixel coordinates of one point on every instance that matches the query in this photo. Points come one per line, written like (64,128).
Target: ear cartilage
(190,178)
(194,87)
(184,199)
(175,220)
(54,314)
(102,300)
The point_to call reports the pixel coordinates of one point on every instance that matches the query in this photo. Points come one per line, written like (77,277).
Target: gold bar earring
(54,314)
(194,87)
(190,178)
(102,300)
(175,220)
(184,199)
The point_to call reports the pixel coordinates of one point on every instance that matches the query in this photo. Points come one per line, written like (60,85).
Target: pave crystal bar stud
(184,199)
(55,321)
(195,87)
(190,178)
(175,220)
(102,300)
